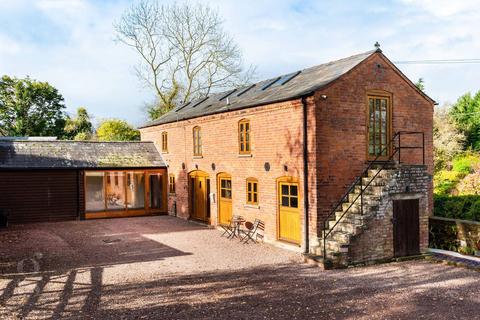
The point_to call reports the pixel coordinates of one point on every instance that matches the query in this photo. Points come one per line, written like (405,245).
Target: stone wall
(461,233)
(376,241)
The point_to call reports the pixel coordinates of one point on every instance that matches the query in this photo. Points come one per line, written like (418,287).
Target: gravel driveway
(166,268)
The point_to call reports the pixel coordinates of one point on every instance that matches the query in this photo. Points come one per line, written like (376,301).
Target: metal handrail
(362,175)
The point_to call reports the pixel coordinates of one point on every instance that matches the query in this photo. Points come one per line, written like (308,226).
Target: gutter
(306,218)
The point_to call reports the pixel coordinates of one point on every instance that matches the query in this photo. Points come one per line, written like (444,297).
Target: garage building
(51,180)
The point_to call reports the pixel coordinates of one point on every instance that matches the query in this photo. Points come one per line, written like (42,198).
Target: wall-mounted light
(324,97)
(285,167)
(196,166)
(183,165)
(213,166)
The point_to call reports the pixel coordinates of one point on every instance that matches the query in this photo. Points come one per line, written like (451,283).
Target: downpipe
(306,218)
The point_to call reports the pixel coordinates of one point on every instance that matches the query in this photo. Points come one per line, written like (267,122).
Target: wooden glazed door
(378,127)
(406,227)
(289,213)
(224,199)
(198,195)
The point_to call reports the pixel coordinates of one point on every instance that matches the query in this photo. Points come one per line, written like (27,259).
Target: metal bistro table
(236,227)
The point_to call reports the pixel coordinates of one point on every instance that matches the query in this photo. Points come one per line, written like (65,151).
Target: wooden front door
(406,227)
(199,189)
(289,212)
(224,199)
(378,127)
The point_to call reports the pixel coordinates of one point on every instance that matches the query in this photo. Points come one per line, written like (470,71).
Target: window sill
(249,155)
(164,152)
(197,157)
(251,206)
(172,194)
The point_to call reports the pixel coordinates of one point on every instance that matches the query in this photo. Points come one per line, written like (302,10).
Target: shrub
(465,163)
(457,207)
(445,181)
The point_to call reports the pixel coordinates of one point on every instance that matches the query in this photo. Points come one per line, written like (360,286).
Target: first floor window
(171,186)
(252,191)
(164,141)
(197,141)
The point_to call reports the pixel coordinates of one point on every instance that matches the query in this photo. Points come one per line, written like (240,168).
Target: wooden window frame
(171,184)
(245,144)
(379,94)
(164,142)
(251,192)
(197,141)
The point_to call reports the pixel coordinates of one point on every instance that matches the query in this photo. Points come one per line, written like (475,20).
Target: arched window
(197,141)
(244,137)
(252,191)
(164,141)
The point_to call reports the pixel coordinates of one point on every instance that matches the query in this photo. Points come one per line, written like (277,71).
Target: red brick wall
(337,143)
(341,127)
(279,144)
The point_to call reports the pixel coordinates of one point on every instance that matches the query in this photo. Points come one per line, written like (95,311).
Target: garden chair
(251,231)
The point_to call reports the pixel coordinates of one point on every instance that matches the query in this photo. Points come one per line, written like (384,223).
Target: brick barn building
(338,154)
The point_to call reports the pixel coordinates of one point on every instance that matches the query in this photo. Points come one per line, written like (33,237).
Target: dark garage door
(39,195)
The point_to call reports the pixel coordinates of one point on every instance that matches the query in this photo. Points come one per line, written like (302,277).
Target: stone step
(375,182)
(334,246)
(352,196)
(355,207)
(385,173)
(340,236)
(371,189)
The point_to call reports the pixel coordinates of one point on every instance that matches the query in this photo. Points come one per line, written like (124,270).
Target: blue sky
(70,43)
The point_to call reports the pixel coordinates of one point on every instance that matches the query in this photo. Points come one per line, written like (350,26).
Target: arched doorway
(289,228)
(199,189)
(224,189)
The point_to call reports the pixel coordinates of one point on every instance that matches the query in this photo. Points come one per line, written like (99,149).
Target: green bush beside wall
(457,207)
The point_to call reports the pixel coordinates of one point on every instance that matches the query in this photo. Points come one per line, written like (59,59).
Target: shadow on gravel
(289,291)
(84,244)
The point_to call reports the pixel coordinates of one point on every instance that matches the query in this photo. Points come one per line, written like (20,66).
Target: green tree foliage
(117,130)
(466,113)
(80,127)
(30,108)
(420,84)
(448,141)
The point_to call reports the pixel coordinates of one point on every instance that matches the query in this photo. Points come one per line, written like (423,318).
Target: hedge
(457,207)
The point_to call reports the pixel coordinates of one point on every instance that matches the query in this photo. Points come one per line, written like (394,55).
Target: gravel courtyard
(166,268)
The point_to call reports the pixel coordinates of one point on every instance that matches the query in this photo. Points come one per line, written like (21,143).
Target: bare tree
(185,54)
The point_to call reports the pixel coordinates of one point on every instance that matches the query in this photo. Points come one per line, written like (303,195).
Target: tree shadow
(398,291)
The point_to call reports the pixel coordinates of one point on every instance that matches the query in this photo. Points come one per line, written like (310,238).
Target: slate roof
(303,83)
(78,154)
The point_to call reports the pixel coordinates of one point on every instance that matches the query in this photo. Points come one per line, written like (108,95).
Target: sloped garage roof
(78,154)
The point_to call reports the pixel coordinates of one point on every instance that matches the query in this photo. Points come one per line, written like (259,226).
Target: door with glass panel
(289,212)
(156,192)
(224,198)
(379,127)
(135,190)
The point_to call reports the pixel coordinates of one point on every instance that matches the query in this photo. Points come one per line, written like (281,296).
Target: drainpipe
(305,177)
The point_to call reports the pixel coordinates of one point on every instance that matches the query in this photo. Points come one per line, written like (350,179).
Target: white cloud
(445,8)
(75,50)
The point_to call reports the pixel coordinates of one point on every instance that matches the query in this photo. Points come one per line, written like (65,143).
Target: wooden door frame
(375,93)
(221,175)
(288,179)
(194,174)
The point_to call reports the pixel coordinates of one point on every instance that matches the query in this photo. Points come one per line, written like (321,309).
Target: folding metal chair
(251,231)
